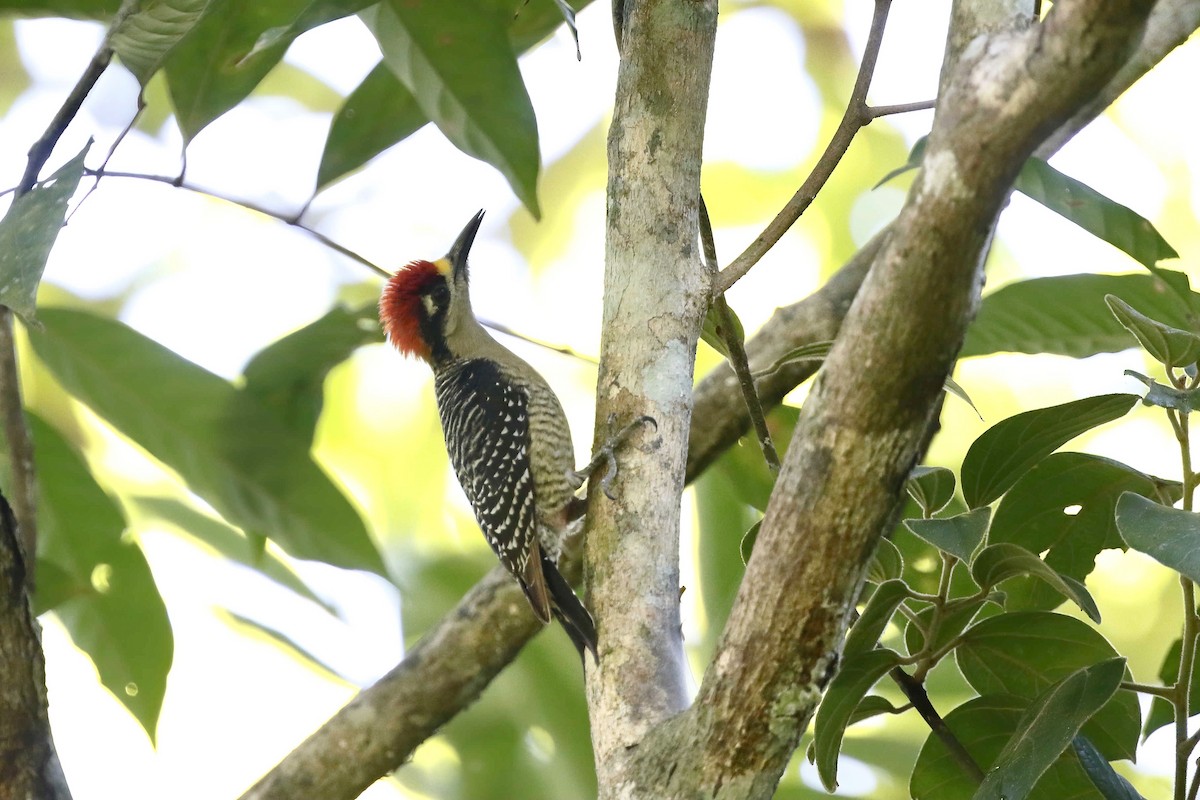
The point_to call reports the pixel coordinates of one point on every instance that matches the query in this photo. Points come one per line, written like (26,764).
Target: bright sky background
(215,283)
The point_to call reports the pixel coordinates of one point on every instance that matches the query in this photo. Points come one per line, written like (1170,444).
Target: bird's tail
(575,619)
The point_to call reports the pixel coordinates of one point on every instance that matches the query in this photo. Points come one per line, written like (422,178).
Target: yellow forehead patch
(443,266)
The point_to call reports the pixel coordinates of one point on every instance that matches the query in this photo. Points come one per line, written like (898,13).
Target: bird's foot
(606,455)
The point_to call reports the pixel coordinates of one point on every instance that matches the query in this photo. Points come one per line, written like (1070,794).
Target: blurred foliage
(296,451)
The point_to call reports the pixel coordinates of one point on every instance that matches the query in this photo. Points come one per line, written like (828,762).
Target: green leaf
(1048,727)
(746,546)
(315,14)
(234,453)
(1065,507)
(1024,653)
(1005,451)
(886,563)
(210,70)
(1105,219)
(915,157)
(1111,785)
(376,115)
(722,516)
(1066,315)
(1169,536)
(1163,396)
(953,388)
(1001,561)
(113,610)
(713,332)
(871,706)
(952,623)
(854,679)
(931,487)
(28,232)
(145,31)
(288,376)
(1168,345)
(865,632)
(984,725)
(1162,712)
(229,542)
(959,535)
(74,9)
(285,643)
(815,351)
(456,60)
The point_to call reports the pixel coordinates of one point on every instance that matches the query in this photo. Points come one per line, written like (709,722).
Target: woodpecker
(505,429)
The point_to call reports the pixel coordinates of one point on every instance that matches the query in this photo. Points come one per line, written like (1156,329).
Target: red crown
(399,309)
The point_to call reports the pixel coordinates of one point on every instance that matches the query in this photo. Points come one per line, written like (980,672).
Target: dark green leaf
(113,610)
(568,14)
(915,157)
(456,60)
(229,542)
(1111,785)
(376,115)
(959,535)
(288,376)
(743,465)
(1005,451)
(1004,560)
(865,632)
(871,706)
(1163,396)
(1024,653)
(984,725)
(1106,219)
(1048,727)
(1169,536)
(145,32)
(931,487)
(315,14)
(231,451)
(886,563)
(1170,346)
(286,643)
(713,332)
(74,9)
(953,388)
(951,624)
(816,351)
(1065,506)
(722,517)
(28,232)
(854,679)
(746,546)
(1161,712)
(1067,315)
(210,71)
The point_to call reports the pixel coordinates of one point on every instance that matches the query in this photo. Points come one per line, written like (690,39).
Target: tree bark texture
(861,429)
(29,766)
(656,293)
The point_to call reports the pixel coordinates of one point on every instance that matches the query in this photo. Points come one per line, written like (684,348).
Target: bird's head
(426,302)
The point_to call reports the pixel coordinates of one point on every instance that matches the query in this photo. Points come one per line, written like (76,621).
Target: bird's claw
(607,455)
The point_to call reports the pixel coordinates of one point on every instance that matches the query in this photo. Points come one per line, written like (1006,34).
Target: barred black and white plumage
(505,430)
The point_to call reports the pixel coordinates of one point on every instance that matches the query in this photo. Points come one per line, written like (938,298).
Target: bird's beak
(462,246)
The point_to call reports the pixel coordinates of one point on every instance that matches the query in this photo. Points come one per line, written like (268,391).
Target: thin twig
(914,690)
(293,222)
(1165,692)
(20,444)
(736,346)
(875,112)
(856,117)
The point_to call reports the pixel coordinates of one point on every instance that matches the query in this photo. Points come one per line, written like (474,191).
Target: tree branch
(656,293)
(860,430)
(719,419)
(856,117)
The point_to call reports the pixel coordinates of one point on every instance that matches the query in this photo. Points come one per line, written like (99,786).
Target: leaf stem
(737,348)
(1182,699)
